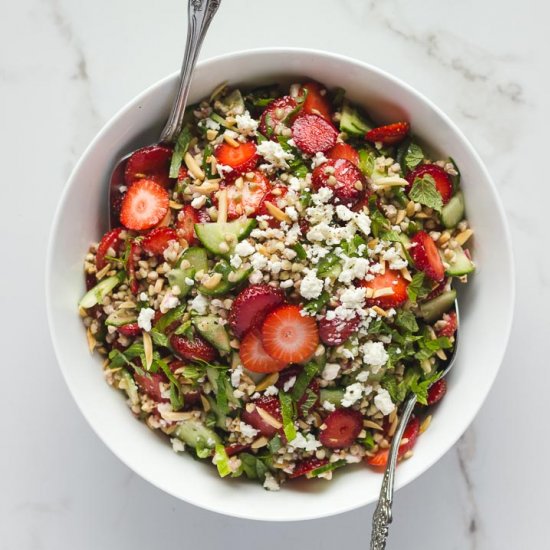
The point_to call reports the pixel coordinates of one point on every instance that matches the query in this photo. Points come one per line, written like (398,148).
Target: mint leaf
(252,466)
(415,286)
(425,192)
(159,338)
(303,380)
(180,149)
(368,441)
(407,321)
(314,306)
(287,412)
(421,388)
(327,468)
(414,156)
(275,444)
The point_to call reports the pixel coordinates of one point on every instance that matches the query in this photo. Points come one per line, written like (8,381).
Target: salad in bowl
(275,284)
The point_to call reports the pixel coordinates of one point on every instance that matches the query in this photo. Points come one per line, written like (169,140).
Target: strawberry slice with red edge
(344,151)
(185,224)
(108,241)
(426,257)
(151,163)
(316,101)
(252,305)
(242,158)
(289,336)
(380,459)
(235,449)
(342,428)
(389,279)
(334,332)
(436,392)
(246,199)
(389,134)
(144,205)
(276,114)
(158,240)
(255,358)
(307,465)
(130,330)
(194,349)
(450,326)
(443,182)
(439,289)
(270,422)
(313,134)
(150,384)
(344,178)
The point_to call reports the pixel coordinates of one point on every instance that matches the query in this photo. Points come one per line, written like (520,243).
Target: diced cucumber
(121,317)
(95,295)
(453,212)
(196,256)
(217,377)
(332,395)
(195,434)
(210,329)
(214,235)
(225,285)
(353,122)
(435,308)
(461,265)
(130,387)
(220,416)
(330,267)
(177,277)
(231,104)
(405,244)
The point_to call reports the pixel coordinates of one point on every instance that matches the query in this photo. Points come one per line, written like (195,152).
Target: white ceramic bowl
(486,303)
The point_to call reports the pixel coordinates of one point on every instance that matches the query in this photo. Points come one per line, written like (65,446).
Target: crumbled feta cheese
(271,390)
(169,301)
(144,297)
(200,304)
(256,277)
(375,355)
(244,249)
(171,251)
(246,124)
(330,372)
(189,281)
(353,394)
(145,317)
(247,430)
(308,443)
(274,154)
(311,285)
(363,376)
(236,376)
(317,160)
(383,402)
(290,211)
(289,383)
(221,168)
(258,261)
(177,444)
(211,124)
(353,298)
(328,406)
(344,213)
(353,268)
(392,256)
(322,196)
(363,222)
(198,202)
(286,284)
(270,483)
(235,261)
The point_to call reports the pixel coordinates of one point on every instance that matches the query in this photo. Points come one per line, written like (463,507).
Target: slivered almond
(230,141)
(82,312)
(211,134)
(92,342)
(269,380)
(373,425)
(441,354)
(425,423)
(100,274)
(400,216)
(461,238)
(383,267)
(388,291)
(193,166)
(259,443)
(176,416)
(410,208)
(222,206)
(406,274)
(369,292)
(175,205)
(390,181)
(380,311)
(213,281)
(127,305)
(404,441)
(266,417)
(393,426)
(205,403)
(213,165)
(148,349)
(277,213)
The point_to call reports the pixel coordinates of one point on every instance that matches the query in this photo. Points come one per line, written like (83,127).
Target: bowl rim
(340,507)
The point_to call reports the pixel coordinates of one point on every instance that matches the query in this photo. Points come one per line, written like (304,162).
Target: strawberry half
(389,134)
(344,151)
(247,199)
(268,423)
(150,384)
(437,390)
(307,465)
(451,324)
(192,349)
(274,196)
(316,101)
(242,158)
(158,239)
(235,449)
(151,163)
(426,257)
(380,459)
(131,330)
(313,134)
(276,114)
(344,178)
(390,279)
(252,305)
(443,182)
(334,332)
(342,428)
(185,224)
(109,240)
(144,205)
(255,358)
(289,336)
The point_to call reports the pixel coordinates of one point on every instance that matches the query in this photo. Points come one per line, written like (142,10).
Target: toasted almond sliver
(373,425)
(193,167)
(441,354)
(205,403)
(404,441)
(400,216)
(406,274)
(461,238)
(269,419)
(222,206)
(380,311)
(148,349)
(388,291)
(230,140)
(100,274)
(211,134)
(383,264)
(369,292)
(260,442)
(175,205)
(250,407)
(425,423)
(127,305)
(213,281)
(390,181)
(176,416)
(372,243)
(393,426)
(277,213)
(92,342)
(269,380)
(82,312)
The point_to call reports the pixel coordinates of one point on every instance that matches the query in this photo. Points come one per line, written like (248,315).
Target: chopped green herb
(252,466)
(368,441)
(303,380)
(274,444)
(407,321)
(170,317)
(414,156)
(287,412)
(159,338)
(300,251)
(327,468)
(417,288)
(182,144)
(314,306)
(221,460)
(425,192)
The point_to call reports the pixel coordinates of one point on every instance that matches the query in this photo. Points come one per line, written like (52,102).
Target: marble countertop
(67,66)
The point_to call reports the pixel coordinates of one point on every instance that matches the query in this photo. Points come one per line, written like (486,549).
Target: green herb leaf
(176,397)
(414,156)
(180,149)
(314,306)
(309,403)
(186,329)
(300,251)
(274,444)
(303,380)
(416,288)
(170,317)
(425,192)
(406,321)
(253,467)
(221,460)
(366,162)
(391,236)
(159,338)
(327,468)
(368,441)
(421,388)
(379,223)
(287,412)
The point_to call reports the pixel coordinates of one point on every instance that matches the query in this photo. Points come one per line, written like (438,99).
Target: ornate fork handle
(382,516)
(200,15)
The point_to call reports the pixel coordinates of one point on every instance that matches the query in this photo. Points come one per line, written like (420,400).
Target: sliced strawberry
(183,173)
(130,330)
(150,384)
(437,390)
(439,289)
(202,215)
(289,336)
(316,100)
(109,240)
(292,372)
(380,459)
(235,449)
(144,205)
(426,257)
(247,199)
(151,163)
(134,255)
(389,134)
(192,349)
(390,279)
(344,178)
(451,324)
(255,358)
(276,115)
(185,224)
(274,196)
(344,151)
(252,305)
(442,180)
(313,134)
(307,465)
(158,239)
(270,422)
(342,428)
(335,331)
(242,158)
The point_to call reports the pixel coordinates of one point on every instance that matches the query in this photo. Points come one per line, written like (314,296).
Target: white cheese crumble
(344,213)
(383,402)
(271,390)
(145,317)
(169,301)
(274,154)
(177,444)
(308,443)
(353,394)
(246,124)
(198,202)
(247,430)
(289,383)
(235,261)
(256,277)
(330,372)
(200,304)
(286,284)
(244,249)
(353,298)
(318,159)
(375,355)
(211,124)
(392,256)
(236,376)
(144,297)
(363,376)
(328,406)
(322,196)
(311,285)
(270,483)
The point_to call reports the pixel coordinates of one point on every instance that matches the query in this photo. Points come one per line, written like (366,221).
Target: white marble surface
(66,67)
